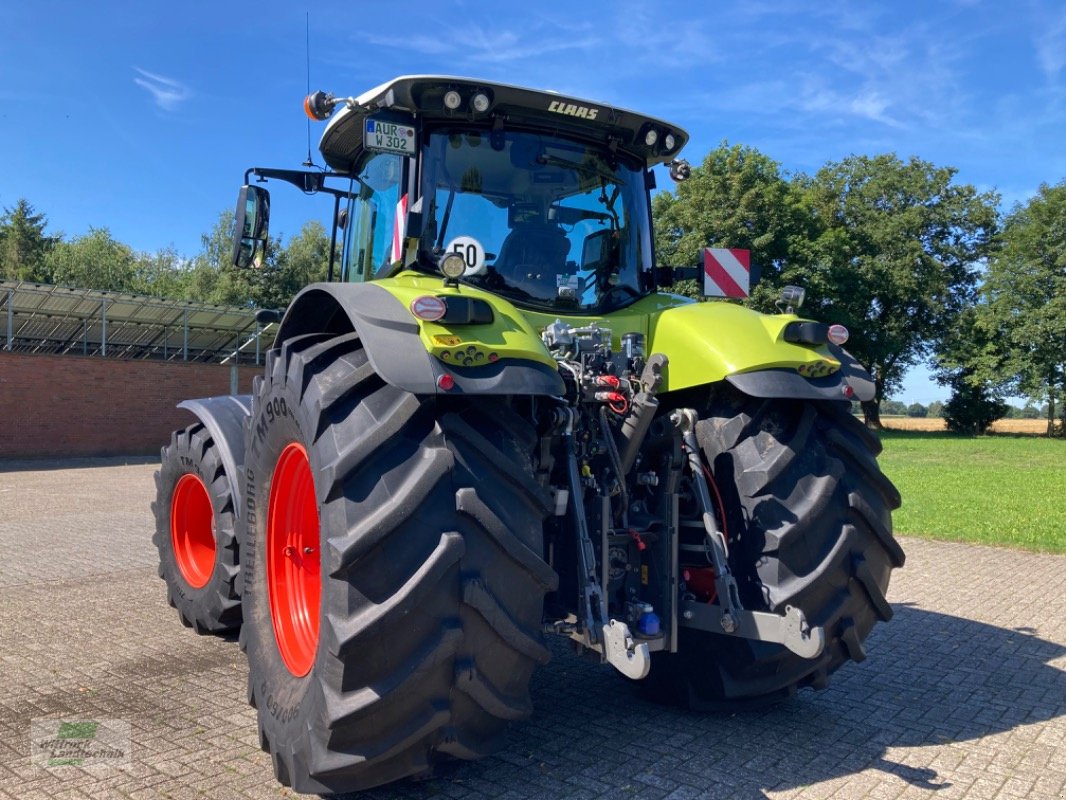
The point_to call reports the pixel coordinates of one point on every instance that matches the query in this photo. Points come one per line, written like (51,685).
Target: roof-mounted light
(452,100)
(480,102)
(669,141)
(651,137)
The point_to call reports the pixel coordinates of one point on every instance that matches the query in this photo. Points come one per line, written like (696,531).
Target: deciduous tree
(304,259)
(972,407)
(163,274)
(95,260)
(737,197)
(214,279)
(1024,303)
(896,258)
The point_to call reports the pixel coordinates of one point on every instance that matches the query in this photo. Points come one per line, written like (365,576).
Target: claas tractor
(495,424)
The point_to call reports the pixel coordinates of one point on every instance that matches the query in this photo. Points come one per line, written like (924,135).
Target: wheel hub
(292,560)
(192,530)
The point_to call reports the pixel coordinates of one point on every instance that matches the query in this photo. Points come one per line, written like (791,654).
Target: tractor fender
(225,418)
(856,375)
(390,335)
(784,383)
(711,342)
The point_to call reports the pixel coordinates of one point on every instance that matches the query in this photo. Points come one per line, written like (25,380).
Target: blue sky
(142,117)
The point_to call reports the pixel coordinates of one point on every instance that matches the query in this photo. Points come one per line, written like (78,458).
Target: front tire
(194,532)
(808,513)
(426,543)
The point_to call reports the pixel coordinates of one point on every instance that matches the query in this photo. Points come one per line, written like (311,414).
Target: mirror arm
(668,276)
(333,236)
(309,181)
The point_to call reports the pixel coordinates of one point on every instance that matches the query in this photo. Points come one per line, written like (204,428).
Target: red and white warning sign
(726,272)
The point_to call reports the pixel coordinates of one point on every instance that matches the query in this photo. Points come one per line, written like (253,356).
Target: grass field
(1000,490)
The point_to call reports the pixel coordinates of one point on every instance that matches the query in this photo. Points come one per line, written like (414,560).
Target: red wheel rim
(292,560)
(192,530)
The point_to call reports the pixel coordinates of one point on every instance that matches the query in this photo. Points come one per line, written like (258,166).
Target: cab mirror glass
(251,226)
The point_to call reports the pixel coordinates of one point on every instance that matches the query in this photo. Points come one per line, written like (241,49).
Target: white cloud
(420,43)
(474,44)
(869,103)
(677,44)
(1051,48)
(167,92)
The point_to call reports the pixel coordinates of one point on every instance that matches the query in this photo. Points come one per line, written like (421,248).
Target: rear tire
(432,577)
(194,533)
(808,513)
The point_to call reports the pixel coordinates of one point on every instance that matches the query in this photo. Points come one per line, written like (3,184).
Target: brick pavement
(963,694)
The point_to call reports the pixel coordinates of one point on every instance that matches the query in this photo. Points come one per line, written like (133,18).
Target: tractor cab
(545,198)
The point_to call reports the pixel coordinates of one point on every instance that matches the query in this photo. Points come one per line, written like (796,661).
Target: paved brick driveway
(963,695)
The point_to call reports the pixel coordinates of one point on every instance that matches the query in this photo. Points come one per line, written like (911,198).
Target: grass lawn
(1001,490)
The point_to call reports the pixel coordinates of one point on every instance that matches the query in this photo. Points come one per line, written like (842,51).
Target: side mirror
(596,250)
(252,225)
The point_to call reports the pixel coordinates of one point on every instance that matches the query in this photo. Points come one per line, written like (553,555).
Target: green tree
(162,274)
(95,260)
(214,279)
(917,410)
(1030,412)
(285,269)
(936,409)
(303,260)
(895,259)
(893,408)
(738,197)
(1024,303)
(24,245)
(972,408)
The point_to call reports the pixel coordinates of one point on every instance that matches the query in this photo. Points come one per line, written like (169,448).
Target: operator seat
(531,257)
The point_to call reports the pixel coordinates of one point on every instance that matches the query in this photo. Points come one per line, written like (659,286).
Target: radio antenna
(310,162)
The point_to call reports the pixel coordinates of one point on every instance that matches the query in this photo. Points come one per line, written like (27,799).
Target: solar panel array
(39,318)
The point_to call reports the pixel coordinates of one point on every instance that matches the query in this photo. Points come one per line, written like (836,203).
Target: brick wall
(58,406)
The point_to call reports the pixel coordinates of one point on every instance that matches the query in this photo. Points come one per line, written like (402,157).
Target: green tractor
(495,424)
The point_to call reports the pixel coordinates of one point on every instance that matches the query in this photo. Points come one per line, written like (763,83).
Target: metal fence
(39,318)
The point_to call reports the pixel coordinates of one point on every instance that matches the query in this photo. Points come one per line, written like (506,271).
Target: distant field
(1024,426)
(999,490)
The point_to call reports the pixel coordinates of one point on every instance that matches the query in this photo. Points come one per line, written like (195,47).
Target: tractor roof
(425,96)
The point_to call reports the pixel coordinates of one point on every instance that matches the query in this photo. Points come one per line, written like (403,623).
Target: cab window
(370,250)
(542,220)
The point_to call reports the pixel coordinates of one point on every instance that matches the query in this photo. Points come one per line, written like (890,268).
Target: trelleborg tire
(808,513)
(393,570)
(194,532)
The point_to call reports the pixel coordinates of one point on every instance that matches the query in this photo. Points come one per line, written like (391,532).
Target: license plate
(389,137)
